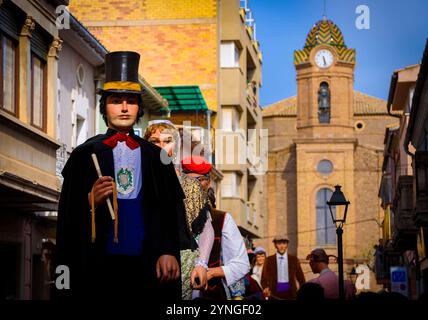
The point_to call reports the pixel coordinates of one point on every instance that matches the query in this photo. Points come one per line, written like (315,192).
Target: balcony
(243,214)
(252,104)
(28,180)
(421,189)
(385,257)
(404,229)
(232,87)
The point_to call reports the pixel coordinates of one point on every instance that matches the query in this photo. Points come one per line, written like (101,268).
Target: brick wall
(143,9)
(173,52)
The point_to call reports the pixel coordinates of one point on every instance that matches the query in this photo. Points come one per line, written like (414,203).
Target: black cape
(161,194)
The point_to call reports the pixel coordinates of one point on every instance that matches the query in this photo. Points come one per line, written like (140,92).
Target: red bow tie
(112,141)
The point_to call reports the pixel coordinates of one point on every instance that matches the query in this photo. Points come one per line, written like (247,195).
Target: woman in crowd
(260,257)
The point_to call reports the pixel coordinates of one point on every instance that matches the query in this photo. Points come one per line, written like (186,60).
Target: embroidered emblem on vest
(125,178)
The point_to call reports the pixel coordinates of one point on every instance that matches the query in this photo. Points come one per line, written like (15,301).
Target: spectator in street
(260,257)
(228,263)
(393,297)
(281,272)
(310,292)
(253,290)
(368,297)
(318,261)
(48,253)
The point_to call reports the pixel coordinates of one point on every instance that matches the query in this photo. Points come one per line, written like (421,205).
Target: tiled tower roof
(328,33)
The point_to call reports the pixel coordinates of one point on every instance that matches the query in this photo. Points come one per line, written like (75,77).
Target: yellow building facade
(327,135)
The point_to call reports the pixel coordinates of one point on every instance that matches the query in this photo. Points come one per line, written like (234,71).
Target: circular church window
(359,125)
(325,167)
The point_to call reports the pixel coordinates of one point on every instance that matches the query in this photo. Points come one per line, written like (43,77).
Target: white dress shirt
(235,262)
(282,267)
(235,258)
(124,157)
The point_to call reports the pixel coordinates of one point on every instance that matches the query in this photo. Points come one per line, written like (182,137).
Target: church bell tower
(325,141)
(325,80)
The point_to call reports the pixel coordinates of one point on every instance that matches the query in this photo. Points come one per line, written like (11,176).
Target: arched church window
(326,234)
(324,103)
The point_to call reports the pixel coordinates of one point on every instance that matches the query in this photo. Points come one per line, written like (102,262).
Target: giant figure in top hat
(118,233)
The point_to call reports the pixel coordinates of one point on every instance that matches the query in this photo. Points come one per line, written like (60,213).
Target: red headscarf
(195,164)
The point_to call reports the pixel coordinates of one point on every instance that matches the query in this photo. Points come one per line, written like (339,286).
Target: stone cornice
(325,140)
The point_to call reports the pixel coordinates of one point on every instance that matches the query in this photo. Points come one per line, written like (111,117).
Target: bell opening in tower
(324,103)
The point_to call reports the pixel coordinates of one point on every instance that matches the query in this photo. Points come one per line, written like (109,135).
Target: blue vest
(130,228)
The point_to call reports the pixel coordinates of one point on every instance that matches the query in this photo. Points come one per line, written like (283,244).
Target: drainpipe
(209,134)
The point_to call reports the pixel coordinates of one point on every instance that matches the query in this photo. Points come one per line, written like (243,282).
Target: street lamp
(338,206)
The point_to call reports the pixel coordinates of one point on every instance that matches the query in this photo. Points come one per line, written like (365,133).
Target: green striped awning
(183,98)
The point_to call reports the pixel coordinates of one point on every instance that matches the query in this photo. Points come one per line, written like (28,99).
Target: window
(251,68)
(426,137)
(254,216)
(359,125)
(38,92)
(230,184)
(229,55)
(80,130)
(9,75)
(230,119)
(325,167)
(326,234)
(324,103)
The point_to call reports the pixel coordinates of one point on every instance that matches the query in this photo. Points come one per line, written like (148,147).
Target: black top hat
(121,68)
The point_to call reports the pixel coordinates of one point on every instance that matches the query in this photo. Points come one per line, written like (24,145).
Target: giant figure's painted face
(122,110)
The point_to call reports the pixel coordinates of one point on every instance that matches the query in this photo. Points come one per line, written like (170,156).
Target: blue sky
(396,38)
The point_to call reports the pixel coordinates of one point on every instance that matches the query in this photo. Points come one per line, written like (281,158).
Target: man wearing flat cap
(281,272)
(318,261)
(117,228)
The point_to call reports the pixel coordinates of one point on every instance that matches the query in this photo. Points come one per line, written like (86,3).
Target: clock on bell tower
(325,83)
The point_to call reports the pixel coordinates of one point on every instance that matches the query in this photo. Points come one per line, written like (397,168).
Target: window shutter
(10,20)
(40,43)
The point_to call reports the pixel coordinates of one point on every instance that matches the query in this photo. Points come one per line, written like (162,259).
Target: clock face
(324,58)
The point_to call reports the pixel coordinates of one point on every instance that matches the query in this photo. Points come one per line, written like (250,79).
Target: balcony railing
(385,257)
(421,188)
(404,229)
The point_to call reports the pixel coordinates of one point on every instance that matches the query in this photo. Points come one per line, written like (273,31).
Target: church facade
(327,135)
